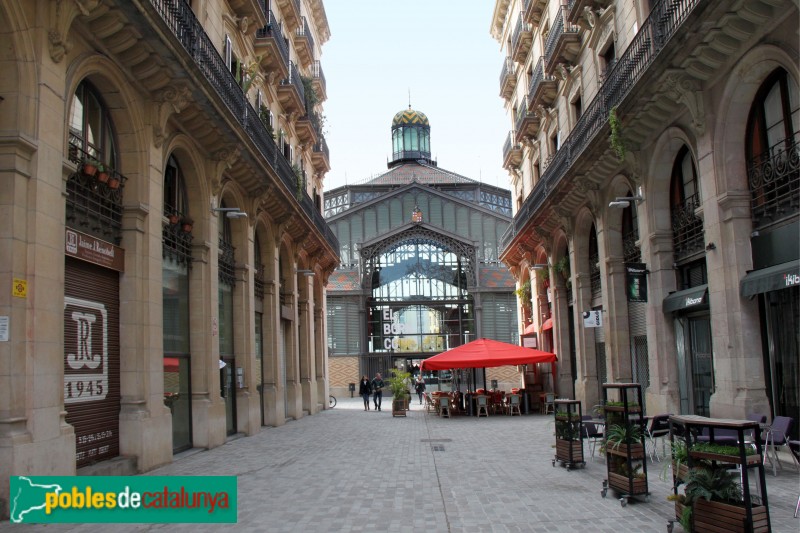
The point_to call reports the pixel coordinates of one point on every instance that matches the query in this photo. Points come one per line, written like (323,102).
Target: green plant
(617,144)
(566,430)
(679,455)
(562,267)
(623,433)
(298,175)
(246,75)
(543,275)
(263,114)
(524,294)
(634,472)
(398,383)
(712,484)
(614,403)
(720,449)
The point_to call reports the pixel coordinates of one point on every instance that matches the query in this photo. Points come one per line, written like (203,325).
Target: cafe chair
(513,405)
(794,448)
(591,433)
(777,436)
(549,405)
(430,407)
(444,406)
(658,428)
(482,402)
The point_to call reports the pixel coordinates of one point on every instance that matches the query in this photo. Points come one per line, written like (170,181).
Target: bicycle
(331,401)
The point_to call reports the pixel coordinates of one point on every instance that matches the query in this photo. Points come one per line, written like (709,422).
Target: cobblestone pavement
(346,470)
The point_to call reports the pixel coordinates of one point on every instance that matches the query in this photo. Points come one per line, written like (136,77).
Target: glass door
(702,364)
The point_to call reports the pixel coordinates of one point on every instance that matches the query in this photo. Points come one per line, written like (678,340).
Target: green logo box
(123,499)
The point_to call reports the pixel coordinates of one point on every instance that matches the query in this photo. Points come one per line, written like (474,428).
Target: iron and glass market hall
(419,270)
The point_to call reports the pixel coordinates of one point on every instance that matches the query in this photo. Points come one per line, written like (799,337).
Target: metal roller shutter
(637,322)
(91,359)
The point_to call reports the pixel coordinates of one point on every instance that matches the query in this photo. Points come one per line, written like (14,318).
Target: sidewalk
(346,470)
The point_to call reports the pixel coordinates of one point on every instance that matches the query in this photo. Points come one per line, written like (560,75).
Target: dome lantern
(411,137)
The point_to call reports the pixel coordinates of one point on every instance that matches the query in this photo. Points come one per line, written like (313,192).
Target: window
(577,108)
(687,228)
(90,126)
(174,189)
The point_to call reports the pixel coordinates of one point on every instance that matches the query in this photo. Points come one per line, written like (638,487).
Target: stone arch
(659,175)
(620,185)
(740,89)
(233,196)
(583,225)
(126,112)
(193,169)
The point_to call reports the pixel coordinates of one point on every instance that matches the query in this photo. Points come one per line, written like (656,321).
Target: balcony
(563,42)
(774,179)
(512,151)
(521,40)
(291,92)
(304,43)
(533,11)
(320,156)
(318,81)
(305,130)
(271,46)
(543,87)
(249,9)
(187,31)
(526,123)
(576,9)
(290,9)
(508,78)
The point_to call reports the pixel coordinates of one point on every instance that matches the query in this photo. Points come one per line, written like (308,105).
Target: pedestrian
(419,386)
(364,389)
(377,390)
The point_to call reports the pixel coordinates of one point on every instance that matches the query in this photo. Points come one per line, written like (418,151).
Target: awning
(530,329)
(483,353)
(548,324)
(686,299)
(771,278)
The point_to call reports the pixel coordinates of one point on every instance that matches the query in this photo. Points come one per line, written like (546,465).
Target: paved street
(355,471)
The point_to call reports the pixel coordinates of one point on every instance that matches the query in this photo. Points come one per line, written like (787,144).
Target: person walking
(419,387)
(377,390)
(365,389)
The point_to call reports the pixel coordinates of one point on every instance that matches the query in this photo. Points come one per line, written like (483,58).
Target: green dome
(409,116)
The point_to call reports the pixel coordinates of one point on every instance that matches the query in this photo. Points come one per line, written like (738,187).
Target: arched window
(687,228)
(90,127)
(175,203)
(773,129)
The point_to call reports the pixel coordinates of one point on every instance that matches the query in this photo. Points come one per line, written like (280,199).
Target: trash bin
(352,388)
(524,394)
(494,384)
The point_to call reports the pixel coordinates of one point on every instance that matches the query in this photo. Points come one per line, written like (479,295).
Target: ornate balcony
(304,43)
(512,151)
(320,156)
(318,81)
(271,46)
(508,78)
(304,127)
(526,123)
(249,9)
(563,42)
(291,92)
(543,88)
(576,8)
(533,10)
(687,229)
(521,40)
(774,179)
(290,9)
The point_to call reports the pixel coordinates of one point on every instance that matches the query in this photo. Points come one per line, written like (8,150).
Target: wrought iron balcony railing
(304,42)
(318,79)
(508,78)
(521,39)
(226,270)
(274,30)
(664,21)
(295,81)
(774,180)
(562,32)
(181,21)
(543,87)
(687,228)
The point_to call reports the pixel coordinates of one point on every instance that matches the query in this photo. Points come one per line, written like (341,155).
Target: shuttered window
(344,335)
(500,317)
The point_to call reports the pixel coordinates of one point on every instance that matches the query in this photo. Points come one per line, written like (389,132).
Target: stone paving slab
(346,470)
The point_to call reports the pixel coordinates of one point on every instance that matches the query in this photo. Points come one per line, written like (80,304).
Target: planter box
(678,511)
(621,484)
(717,516)
(563,449)
(636,450)
(682,472)
(398,408)
(729,459)
(620,409)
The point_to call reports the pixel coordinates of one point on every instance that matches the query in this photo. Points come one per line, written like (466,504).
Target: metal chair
(513,405)
(591,433)
(777,436)
(658,428)
(444,406)
(483,405)
(549,405)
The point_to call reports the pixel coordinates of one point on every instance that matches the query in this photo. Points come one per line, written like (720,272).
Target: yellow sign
(20,288)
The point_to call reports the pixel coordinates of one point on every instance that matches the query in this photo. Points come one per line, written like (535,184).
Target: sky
(438,50)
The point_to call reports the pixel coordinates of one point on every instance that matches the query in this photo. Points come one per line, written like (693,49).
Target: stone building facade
(653,154)
(162,248)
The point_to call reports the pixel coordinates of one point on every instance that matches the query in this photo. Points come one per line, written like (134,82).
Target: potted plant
(524,294)
(187,223)
(89,167)
(617,144)
(543,275)
(103,173)
(113,181)
(623,438)
(298,175)
(562,267)
(174,218)
(398,384)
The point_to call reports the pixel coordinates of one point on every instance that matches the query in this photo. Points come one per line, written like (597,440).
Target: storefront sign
(636,282)
(86,369)
(593,319)
(87,248)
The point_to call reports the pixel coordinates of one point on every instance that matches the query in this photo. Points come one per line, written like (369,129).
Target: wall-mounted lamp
(539,266)
(624,201)
(711,246)
(305,272)
(230,212)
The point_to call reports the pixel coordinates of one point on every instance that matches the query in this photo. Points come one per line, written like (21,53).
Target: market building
(163,248)
(654,156)
(420,270)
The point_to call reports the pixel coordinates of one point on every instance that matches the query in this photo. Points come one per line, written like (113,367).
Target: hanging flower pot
(173,218)
(89,167)
(102,174)
(113,182)
(187,224)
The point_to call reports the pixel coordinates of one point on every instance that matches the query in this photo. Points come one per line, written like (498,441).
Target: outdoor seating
(513,405)
(777,436)
(658,428)
(444,406)
(591,432)
(549,404)
(430,406)
(482,402)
